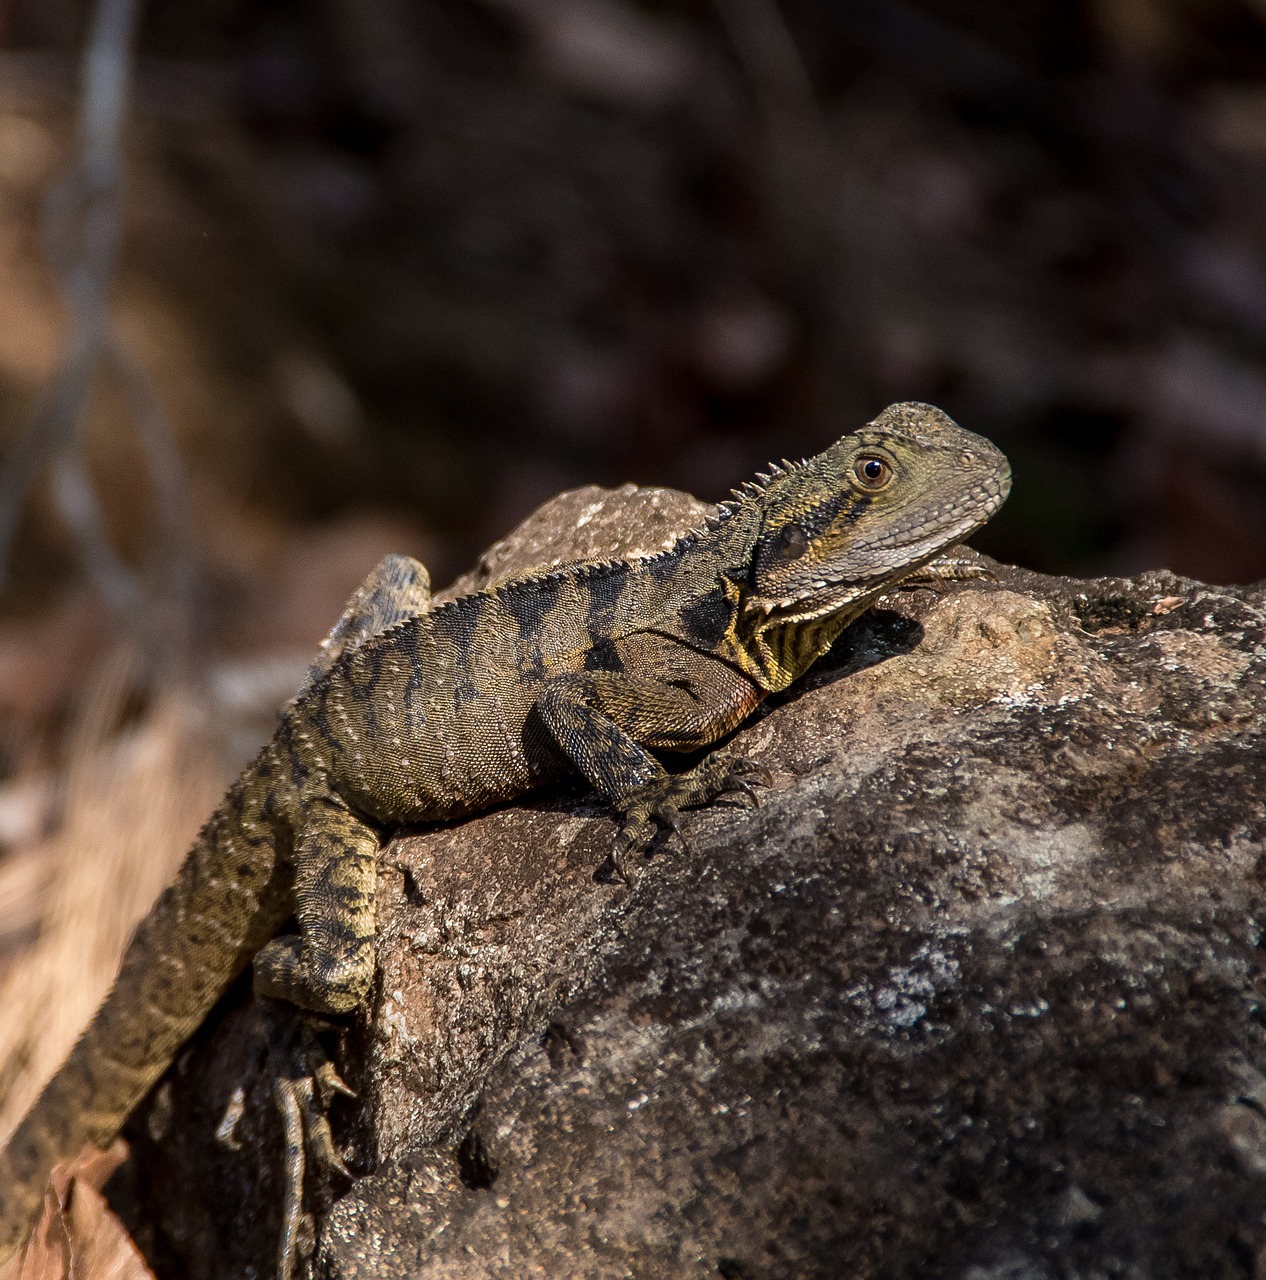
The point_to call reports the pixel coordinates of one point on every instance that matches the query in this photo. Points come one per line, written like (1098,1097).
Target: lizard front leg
(329,965)
(604,721)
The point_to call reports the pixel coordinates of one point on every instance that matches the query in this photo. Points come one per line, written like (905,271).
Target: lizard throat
(774,648)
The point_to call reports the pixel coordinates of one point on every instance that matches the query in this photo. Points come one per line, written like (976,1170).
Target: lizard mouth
(877,564)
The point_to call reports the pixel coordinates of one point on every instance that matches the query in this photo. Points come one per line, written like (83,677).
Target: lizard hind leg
(302,1080)
(327,968)
(398,587)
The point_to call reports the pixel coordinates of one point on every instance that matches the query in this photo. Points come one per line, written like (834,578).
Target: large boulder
(975,993)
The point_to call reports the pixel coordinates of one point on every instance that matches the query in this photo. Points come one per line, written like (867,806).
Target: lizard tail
(107,1073)
(114,1064)
(226,901)
(69,1113)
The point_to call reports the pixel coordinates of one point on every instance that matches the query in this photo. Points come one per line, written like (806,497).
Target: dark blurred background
(392,272)
(401,269)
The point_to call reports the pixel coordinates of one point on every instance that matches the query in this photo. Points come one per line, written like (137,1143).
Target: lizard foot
(958,564)
(662,801)
(304,1081)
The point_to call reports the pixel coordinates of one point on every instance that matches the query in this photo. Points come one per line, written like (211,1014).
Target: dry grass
(133,800)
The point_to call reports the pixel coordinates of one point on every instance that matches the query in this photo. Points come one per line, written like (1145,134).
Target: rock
(589,523)
(976,993)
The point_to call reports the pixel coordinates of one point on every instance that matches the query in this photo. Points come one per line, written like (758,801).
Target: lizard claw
(744,776)
(746,787)
(662,800)
(636,833)
(670,815)
(326,1076)
(304,1079)
(619,865)
(744,771)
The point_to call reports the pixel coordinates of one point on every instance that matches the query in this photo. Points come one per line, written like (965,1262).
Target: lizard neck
(709,604)
(774,652)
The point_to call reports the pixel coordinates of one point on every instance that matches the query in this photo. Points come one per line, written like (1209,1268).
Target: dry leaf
(77,1235)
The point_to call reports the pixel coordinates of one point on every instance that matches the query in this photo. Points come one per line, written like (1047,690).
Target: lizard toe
(304,1081)
(660,803)
(744,776)
(329,1079)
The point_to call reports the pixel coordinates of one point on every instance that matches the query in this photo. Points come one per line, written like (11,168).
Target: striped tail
(228,898)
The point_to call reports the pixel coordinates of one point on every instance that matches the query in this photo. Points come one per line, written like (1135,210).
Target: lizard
(416,714)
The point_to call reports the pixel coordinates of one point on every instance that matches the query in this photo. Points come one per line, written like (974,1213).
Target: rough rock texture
(977,993)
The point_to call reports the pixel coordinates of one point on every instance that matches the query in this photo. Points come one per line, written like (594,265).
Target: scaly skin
(416,715)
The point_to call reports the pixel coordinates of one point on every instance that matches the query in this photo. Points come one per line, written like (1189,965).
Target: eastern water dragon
(418,714)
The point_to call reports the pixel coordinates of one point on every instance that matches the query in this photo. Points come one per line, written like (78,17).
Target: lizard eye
(792,543)
(871,472)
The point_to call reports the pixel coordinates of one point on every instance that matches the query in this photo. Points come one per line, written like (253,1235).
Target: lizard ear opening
(792,543)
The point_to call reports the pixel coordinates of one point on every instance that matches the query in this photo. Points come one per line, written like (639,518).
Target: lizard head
(841,527)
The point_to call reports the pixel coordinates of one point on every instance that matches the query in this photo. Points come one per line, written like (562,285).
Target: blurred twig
(768,52)
(798,149)
(82,218)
